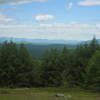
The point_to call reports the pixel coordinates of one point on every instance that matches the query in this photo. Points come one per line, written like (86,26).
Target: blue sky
(50,19)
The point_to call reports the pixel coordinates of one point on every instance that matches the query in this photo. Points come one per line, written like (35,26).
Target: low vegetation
(48,94)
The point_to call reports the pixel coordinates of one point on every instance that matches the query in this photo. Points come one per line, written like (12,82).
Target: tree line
(58,68)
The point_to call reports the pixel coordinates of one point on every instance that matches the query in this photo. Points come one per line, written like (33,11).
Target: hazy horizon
(44,39)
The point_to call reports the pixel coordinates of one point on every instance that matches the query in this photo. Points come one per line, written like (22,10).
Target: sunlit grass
(47,94)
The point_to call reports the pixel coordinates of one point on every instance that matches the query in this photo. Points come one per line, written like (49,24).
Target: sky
(50,19)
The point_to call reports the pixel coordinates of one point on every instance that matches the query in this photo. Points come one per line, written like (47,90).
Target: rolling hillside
(37,50)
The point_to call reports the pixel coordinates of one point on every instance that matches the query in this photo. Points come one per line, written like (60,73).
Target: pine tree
(93,72)
(16,66)
(26,70)
(51,74)
(8,64)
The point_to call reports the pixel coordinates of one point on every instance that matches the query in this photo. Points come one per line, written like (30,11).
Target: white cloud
(70,5)
(74,31)
(74,22)
(44,17)
(4,18)
(89,3)
(19,1)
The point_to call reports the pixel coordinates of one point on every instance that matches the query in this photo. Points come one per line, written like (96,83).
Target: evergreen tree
(16,66)
(26,70)
(83,54)
(66,65)
(51,74)
(8,64)
(93,72)
(93,46)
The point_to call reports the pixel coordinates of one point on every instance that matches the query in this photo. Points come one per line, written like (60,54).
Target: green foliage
(51,73)
(16,66)
(57,68)
(82,55)
(93,72)
(66,64)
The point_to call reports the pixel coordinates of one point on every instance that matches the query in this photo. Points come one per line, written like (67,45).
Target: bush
(4,92)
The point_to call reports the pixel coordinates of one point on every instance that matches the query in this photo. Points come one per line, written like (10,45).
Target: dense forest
(57,68)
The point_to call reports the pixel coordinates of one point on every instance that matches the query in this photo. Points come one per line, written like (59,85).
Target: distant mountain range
(43,41)
(39,41)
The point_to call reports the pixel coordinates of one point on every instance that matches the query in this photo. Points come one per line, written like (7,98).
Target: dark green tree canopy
(16,65)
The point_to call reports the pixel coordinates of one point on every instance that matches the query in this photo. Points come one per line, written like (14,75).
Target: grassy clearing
(46,94)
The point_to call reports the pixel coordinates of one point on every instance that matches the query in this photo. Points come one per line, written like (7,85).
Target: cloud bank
(52,31)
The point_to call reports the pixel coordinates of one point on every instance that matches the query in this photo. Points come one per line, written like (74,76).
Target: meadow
(47,94)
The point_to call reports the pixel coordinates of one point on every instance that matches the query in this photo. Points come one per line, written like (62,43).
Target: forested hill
(37,50)
(37,47)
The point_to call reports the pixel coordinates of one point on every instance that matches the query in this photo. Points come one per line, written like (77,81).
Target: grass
(46,94)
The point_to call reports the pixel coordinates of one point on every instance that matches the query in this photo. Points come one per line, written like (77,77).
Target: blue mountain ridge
(39,41)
